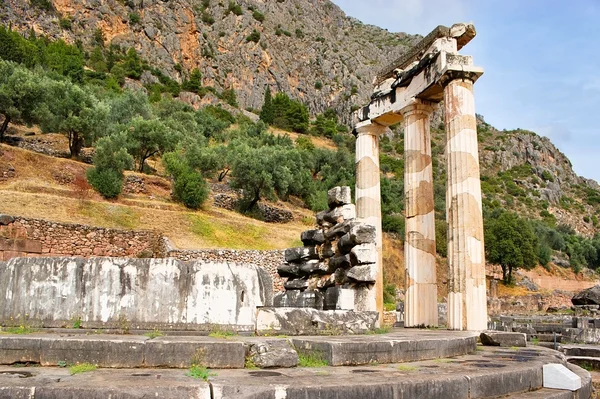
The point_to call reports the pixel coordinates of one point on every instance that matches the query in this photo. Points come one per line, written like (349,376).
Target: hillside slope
(307,48)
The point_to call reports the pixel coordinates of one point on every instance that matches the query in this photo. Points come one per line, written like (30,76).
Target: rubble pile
(338,258)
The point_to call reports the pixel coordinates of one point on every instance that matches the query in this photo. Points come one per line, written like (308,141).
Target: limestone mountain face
(307,48)
(535,175)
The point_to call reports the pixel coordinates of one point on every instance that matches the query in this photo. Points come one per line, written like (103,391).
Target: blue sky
(541,61)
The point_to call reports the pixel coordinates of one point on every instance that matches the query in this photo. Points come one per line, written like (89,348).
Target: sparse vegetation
(82,368)
(311,359)
(200,373)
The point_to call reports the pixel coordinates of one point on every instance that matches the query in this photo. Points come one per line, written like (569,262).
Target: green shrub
(191,189)
(207,18)
(134,18)
(42,4)
(108,182)
(65,23)
(260,17)
(547,176)
(253,37)
(234,8)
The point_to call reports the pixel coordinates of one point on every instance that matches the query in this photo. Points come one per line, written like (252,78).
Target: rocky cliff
(307,48)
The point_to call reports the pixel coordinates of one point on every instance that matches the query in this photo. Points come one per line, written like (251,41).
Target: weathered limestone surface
(467,304)
(131,293)
(404,92)
(590,296)
(368,201)
(311,321)
(508,339)
(419,248)
(272,353)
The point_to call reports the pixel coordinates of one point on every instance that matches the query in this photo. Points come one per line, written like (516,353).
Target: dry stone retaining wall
(24,237)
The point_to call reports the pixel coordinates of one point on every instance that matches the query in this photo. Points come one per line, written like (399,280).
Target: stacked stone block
(338,259)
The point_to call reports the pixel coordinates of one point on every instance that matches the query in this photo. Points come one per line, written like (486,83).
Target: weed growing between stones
(249,364)
(586,366)
(17,330)
(200,372)
(76,322)
(154,333)
(124,324)
(218,332)
(82,368)
(407,367)
(382,330)
(313,359)
(535,341)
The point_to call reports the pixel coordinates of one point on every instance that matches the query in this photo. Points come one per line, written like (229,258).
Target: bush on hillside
(108,182)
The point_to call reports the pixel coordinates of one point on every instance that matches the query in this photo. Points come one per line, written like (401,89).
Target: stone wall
(132,293)
(24,237)
(268,260)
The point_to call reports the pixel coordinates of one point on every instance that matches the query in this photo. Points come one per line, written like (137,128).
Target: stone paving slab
(57,383)
(130,351)
(488,373)
(405,346)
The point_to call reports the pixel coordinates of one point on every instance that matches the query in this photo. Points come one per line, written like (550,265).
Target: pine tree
(267,114)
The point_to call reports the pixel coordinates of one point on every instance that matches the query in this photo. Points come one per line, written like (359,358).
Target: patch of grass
(312,359)
(586,366)
(82,368)
(110,215)
(227,234)
(77,322)
(217,332)
(17,330)
(443,360)
(200,372)
(154,333)
(535,341)
(308,221)
(407,367)
(381,330)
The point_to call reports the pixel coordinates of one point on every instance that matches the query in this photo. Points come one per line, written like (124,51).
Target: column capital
(417,107)
(451,75)
(370,128)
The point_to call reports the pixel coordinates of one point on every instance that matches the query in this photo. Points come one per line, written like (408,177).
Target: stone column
(419,248)
(368,204)
(467,303)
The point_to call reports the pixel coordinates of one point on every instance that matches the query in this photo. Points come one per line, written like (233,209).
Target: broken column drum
(337,267)
(406,91)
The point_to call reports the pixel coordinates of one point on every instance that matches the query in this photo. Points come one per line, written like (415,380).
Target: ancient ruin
(337,266)
(407,91)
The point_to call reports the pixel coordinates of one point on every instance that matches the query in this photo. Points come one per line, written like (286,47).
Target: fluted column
(467,303)
(368,204)
(419,247)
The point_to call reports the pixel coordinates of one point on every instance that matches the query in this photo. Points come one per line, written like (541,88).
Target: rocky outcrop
(591,296)
(308,49)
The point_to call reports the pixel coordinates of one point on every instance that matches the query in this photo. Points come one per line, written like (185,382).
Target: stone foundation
(131,293)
